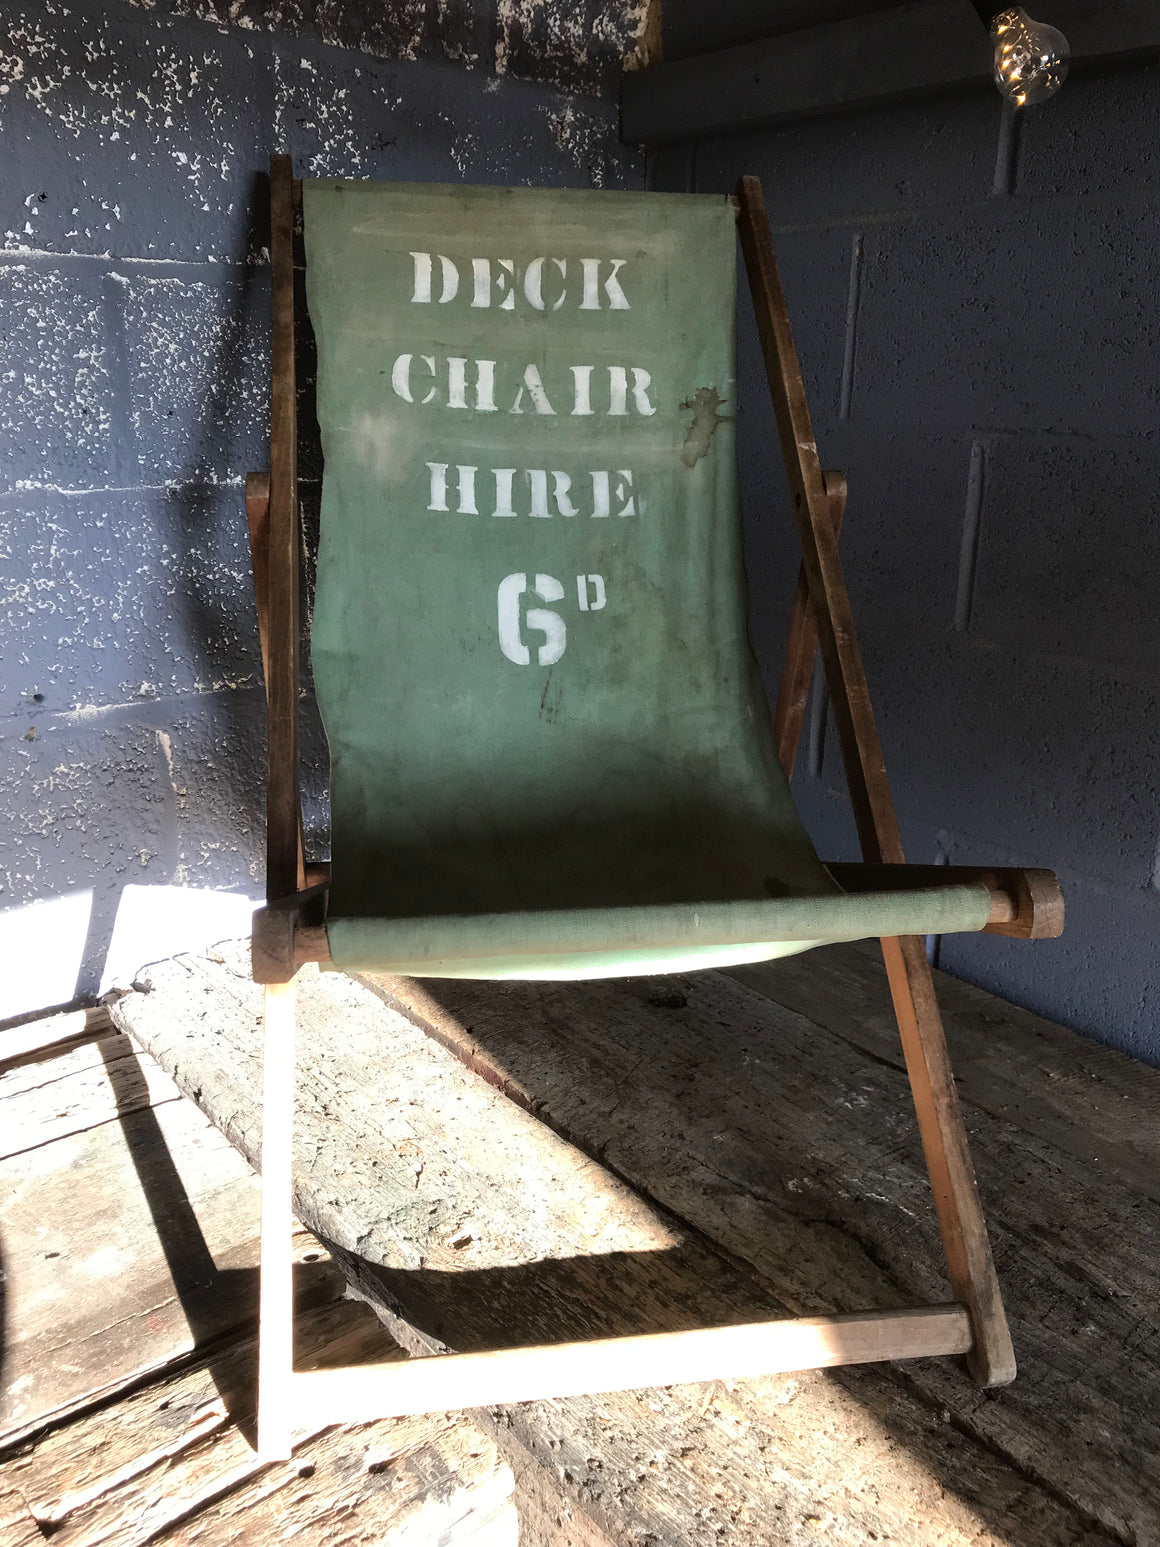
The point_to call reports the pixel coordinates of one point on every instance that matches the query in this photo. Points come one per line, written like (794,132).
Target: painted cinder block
(1098,136)
(58,420)
(1018,317)
(901,538)
(87,809)
(157,797)
(887,161)
(576,48)
(340,115)
(197,371)
(125,136)
(1055,758)
(125,596)
(1067,554)
(1099,977)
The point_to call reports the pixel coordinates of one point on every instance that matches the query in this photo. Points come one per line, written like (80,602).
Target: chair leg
(948,1160)
(276,1304)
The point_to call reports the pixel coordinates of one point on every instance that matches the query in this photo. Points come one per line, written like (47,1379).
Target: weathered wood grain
(798,1154)
(469,1224)
(175,1460)
(129,1230)
(284,863)
(17,1527)
(1094,1103)
(80,1089)
(33,1040)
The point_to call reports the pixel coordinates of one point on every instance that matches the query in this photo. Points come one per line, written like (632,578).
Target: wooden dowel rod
(312,945)
(358,1394)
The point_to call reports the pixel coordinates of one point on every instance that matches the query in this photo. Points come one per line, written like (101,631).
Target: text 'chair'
(551,753)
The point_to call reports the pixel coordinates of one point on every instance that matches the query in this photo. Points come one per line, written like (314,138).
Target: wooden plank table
(503,1164)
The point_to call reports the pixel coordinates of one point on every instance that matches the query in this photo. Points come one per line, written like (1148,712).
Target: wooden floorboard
(128,1228)
(175,1462)
(129,1234)
(728,1153)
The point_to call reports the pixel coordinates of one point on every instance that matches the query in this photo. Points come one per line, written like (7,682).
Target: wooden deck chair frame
(287,933)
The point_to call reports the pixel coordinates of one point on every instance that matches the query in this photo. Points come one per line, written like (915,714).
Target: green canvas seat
(551,751)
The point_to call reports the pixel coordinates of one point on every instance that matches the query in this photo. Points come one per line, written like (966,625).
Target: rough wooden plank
(90,1456)
(468,1224)
(18,1528)
(429,1481)
(176,1460)
(33,1040)
(1092,1102)
(127,1243)
(80,1089)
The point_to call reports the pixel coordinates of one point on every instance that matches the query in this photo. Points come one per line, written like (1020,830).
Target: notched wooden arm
(1025,904)
(287,933)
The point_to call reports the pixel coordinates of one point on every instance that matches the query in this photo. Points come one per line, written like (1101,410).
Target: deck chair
(551,753)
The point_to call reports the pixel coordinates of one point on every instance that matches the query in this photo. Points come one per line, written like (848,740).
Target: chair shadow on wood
(220,1304)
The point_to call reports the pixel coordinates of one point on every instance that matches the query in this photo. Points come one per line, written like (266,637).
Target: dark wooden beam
(921,49)
(283,811)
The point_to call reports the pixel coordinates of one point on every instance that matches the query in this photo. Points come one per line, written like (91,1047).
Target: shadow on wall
(90,938)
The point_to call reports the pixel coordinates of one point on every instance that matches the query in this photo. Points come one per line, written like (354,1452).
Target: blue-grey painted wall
(976,308)
(134,306)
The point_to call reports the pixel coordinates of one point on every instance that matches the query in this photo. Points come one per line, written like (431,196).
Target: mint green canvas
(551,752)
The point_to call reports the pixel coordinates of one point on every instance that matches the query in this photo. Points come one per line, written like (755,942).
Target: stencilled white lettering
(536,492)
(591,298)
(590,593)
(591,596)
(488,386)
(496,282)
(449,276)
(539,620)
(530,620)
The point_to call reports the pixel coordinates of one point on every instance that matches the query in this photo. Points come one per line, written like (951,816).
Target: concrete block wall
(134,307)
(975,304)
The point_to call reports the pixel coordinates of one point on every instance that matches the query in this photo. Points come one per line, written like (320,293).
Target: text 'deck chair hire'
(551,753)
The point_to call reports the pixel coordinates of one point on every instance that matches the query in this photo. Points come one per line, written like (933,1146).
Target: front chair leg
(948,1160)
(276,1304)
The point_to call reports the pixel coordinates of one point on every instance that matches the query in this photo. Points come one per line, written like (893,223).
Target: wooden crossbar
(453,1381)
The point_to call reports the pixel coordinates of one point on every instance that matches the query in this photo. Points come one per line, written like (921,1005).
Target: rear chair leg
(276,1305)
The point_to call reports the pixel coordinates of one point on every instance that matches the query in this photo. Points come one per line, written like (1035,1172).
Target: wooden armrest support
(287,933)
(1025,904)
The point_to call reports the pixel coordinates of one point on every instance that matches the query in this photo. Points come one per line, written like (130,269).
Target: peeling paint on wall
(572,47)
